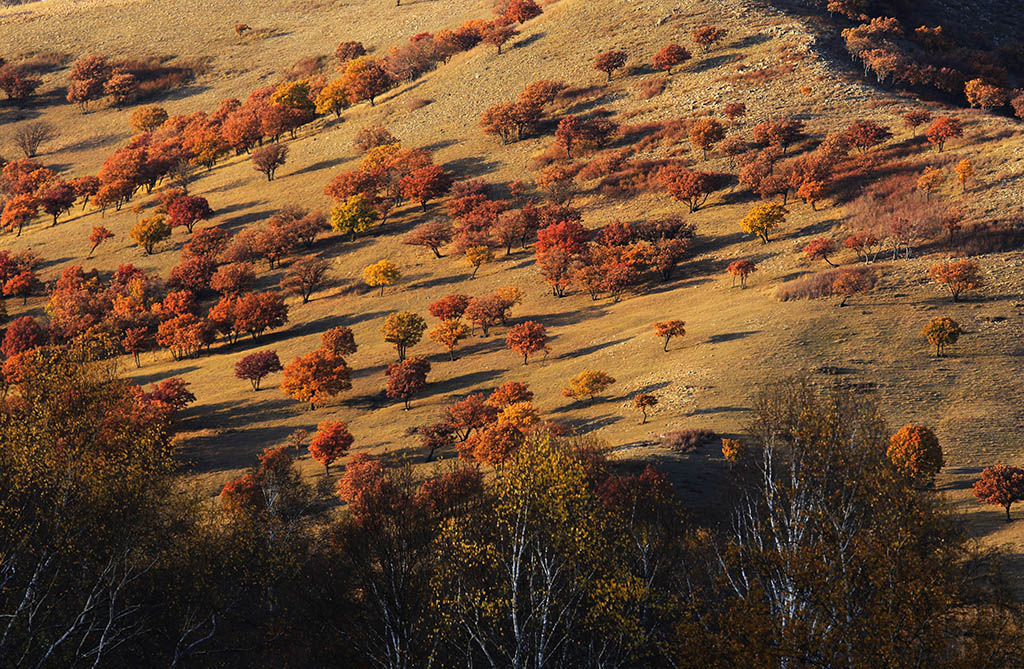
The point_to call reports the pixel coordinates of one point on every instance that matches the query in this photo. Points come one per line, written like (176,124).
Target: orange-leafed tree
(733,450)
(365,79)
(316,377)
(668,330)
(330,442)
(339,340)
(940,332)
(18,211)
(942,130)
(527,338)
(914,450)
(957,276)
(407,379)
(705,133)
(403,329)
(1000,485)
(98,235)
(587,384)
(670,56)
(448,333)
(930,180)
(964,172)
(741,269)
(609,61)
(916,118)
(984,95)
(509,393)
(642,403)
(707,36)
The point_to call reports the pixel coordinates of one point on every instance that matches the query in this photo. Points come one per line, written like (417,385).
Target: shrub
(688,440)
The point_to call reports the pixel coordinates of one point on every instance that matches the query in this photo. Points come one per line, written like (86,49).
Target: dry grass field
(736,339)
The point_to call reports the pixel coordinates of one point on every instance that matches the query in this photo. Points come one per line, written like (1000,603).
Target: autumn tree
(980,93)
(147,119)
(915,118)
(668,330)
(381,273)
(930,180)
(686,185)
(425,184)
(519,11)
(477,256)
(449,307)
(304,276)
(136,341)
(316,377)
(354,215)
(330,442)
(233,278)
(267,159)
(148,232)
(820,249)
(914,450)
(741,269)
(433,235)
(403,329)
(255,366)
(21,285)
(941,331)
(365,79)
(18,211)
(407,379)
(350,50)
(448,333)
(764,218)
(942,130)
(964,172)
(587,384)
(527,338)
(670,56)
(864,135)
(705,133)
(255,313)
(1000,485)
(642,402)
(609,61)
(339,340)
(707,36)
(187,210)
(957,276)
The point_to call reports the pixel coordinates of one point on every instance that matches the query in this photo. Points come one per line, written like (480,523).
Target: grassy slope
(735,338)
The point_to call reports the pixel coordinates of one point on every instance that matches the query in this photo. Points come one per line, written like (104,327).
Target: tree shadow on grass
(315,167)
(587,350)
(729,336)
(456,383)
(155,377)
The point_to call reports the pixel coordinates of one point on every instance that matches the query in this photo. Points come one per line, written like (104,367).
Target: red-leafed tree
(407,379)
(433,235)
(268,159)
(1000,485)
(22,334)
(520,11)
(449,307)
(339,340)
(527,338)
(136,341)
(330,442)
(233,278)
(188,210)
(609,61)
(425,184)
(668,330)
(255,366)
(821,248)
(707,36)
(255,313)
(670,56)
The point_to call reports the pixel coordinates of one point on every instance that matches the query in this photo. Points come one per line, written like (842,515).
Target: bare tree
(31,137)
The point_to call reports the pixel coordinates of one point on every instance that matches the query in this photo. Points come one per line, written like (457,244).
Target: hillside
(736,338)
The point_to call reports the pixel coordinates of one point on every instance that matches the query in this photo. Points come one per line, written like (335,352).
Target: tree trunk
(665,347)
